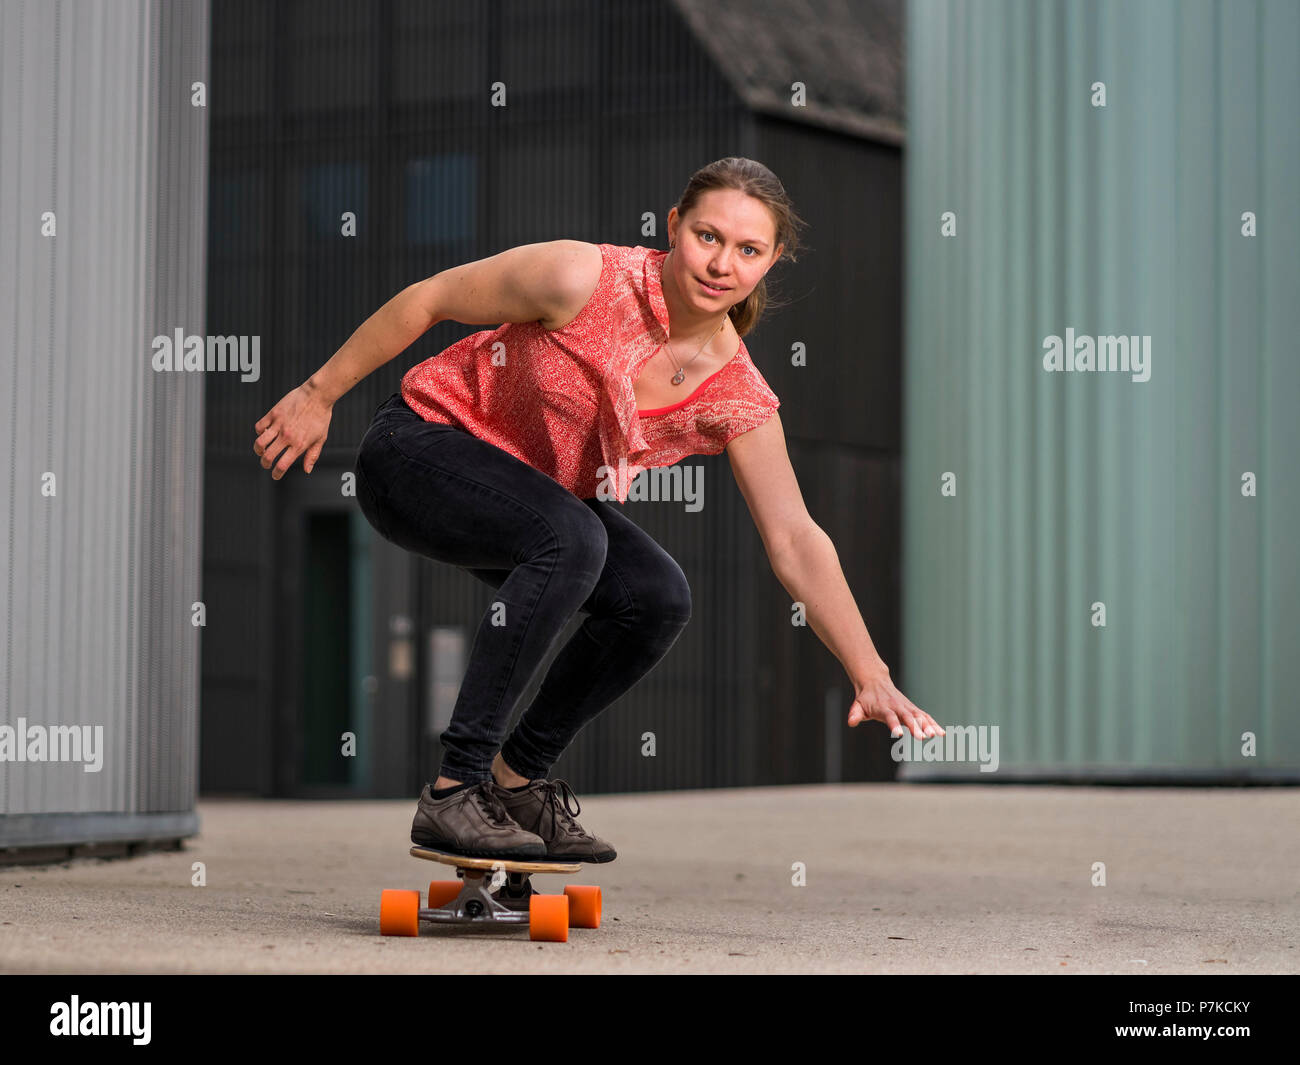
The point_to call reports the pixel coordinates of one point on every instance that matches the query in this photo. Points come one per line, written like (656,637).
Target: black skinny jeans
(439,491)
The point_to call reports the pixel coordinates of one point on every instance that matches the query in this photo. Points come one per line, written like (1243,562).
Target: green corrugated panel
(1075,488)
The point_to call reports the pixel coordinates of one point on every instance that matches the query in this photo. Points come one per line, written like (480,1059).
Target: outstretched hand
(296,425)
(878,700)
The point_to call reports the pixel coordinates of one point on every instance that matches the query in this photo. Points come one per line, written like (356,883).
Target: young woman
(500,455)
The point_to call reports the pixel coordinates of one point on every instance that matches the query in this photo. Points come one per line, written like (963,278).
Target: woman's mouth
(711,289)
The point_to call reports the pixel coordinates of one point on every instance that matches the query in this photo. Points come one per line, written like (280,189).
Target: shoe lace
(558,794)
(491,805)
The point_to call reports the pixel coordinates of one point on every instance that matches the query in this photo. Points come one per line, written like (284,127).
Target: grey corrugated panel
(102,575)
(11,52)
(1077,488)
(69,829)
(1279,606)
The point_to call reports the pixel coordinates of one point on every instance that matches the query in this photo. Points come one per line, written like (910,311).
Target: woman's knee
(674,596)
(577,538)
(662,595)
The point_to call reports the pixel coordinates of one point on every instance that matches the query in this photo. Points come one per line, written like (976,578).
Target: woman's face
(727,239)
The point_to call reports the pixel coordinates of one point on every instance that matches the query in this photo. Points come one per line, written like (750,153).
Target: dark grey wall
(383,110)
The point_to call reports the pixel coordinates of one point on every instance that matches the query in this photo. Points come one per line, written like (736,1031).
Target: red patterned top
(562,400)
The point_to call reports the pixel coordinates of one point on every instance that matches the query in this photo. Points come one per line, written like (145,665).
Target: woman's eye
(748,247)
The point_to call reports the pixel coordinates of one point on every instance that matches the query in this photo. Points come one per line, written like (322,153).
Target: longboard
(492,891)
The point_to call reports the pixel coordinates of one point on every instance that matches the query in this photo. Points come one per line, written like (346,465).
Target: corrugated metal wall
(328,108)
(100,517)
(1082,488)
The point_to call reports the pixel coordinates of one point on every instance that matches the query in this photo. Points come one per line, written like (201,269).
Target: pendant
(679,376)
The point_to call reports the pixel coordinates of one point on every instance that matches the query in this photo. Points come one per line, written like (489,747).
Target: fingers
(929,726)
(892,723)
(309,463)
(899,714)
(264,440)
(270,445)
(918,723)
(911,717)
(895,714)
(287,459)
(272,449)
(899,717)
(904,722)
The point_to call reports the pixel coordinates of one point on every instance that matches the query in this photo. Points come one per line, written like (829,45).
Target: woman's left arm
(808,567)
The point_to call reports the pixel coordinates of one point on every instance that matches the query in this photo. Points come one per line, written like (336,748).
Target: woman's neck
(686,325)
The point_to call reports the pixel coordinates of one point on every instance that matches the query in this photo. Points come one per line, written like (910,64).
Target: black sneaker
(543,807)
(474,823)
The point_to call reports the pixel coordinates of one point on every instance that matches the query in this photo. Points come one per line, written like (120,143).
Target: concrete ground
(900,878)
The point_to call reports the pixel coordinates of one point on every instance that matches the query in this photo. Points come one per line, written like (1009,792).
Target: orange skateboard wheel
(548,918)
(442,892)
(584,905)
(399,913)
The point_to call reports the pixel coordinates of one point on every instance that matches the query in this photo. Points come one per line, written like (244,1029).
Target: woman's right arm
(533,282)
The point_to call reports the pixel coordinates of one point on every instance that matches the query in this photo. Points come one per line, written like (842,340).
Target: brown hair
(754,179)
